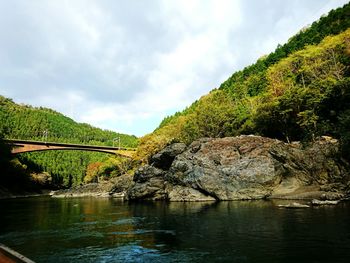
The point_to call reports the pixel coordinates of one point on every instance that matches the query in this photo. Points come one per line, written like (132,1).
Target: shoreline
(71,193)
(26,195)
(280,203)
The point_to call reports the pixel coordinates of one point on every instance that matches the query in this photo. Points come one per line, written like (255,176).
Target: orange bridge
(22,146)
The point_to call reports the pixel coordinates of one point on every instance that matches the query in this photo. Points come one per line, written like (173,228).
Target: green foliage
(306,91)
(67,168)
(214,116)
(252,79)
(112,167)
(92,172)
(115,166)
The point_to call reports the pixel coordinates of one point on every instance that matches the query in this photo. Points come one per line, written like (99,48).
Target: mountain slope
(67,167)
(295,93)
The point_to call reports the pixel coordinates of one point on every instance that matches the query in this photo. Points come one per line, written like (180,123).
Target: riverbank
(7,194)
(115,187)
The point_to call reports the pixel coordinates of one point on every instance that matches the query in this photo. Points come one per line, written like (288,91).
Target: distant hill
(68,168)
(298,92)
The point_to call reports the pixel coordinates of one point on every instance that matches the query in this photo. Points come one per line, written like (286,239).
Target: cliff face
(244,167)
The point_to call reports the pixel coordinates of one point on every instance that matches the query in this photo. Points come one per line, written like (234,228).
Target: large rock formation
(244,167)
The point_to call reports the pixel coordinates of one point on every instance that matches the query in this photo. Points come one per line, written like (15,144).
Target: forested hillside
(298,92)
(68,168)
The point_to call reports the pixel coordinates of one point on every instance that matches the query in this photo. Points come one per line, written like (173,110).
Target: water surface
(108,230)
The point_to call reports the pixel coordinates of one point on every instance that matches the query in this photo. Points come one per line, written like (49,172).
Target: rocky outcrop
(244,167)
(294,205)
(113,187)
(325,202)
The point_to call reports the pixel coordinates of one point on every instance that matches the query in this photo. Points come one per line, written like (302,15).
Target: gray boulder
(228,168)
(165,157)
(149,184)
(243,167)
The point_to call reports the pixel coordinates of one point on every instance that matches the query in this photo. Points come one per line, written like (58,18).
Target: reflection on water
(109,230)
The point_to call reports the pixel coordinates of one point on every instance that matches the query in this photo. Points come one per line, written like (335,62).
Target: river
(109,230)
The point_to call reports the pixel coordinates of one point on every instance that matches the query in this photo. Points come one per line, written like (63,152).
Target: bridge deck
(21,146)
(67,145)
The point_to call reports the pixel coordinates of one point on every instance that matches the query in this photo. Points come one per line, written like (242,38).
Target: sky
(125,65)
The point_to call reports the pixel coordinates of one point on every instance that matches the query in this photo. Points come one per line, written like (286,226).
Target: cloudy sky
(125,65)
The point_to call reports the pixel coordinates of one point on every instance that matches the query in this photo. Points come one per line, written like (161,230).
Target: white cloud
(124,65)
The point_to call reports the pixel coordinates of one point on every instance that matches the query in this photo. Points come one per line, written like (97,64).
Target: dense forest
(67,168)
(298,92)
